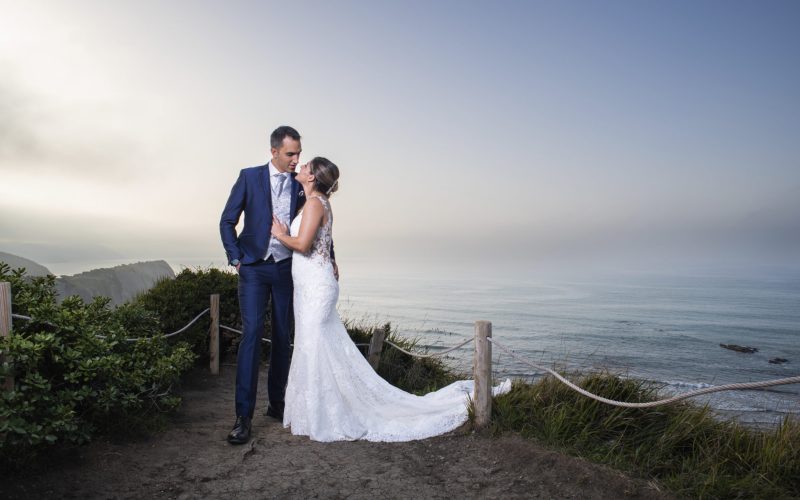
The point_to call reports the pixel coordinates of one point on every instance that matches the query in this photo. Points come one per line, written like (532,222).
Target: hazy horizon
(485,137)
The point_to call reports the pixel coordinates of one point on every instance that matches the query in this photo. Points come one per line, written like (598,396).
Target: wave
(684,385)
(701,385)
(753,401)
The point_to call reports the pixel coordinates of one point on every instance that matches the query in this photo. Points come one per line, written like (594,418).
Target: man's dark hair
(280,133)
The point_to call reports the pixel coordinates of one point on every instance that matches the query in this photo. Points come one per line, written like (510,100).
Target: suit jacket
(252,195)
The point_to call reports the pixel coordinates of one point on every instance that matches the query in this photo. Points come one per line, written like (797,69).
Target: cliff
(120,283)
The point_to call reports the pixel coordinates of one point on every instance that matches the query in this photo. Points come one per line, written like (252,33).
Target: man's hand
(335,270)
(238,266)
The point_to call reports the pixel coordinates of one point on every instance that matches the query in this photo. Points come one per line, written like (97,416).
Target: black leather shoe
(275,410)
(240,434)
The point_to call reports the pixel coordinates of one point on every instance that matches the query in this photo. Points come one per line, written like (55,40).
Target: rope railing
(134,339)
(188,324)
(431,354)
(177,332)
(649,404)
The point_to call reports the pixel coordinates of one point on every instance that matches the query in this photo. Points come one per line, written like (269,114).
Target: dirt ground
(192,460)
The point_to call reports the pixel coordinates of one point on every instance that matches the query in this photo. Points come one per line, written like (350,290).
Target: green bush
(177,301)
(75,374)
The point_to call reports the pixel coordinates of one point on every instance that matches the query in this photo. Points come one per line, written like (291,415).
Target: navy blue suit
(260,282)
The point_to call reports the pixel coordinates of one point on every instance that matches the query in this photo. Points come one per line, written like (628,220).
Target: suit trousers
(260,284)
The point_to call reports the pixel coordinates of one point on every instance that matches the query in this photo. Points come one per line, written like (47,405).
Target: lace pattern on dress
(321,246)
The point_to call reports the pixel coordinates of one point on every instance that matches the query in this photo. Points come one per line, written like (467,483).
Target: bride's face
(304,175)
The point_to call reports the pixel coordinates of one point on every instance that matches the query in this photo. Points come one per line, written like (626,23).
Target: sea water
(662,328)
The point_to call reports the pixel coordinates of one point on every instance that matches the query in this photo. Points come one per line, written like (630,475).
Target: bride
(333,393)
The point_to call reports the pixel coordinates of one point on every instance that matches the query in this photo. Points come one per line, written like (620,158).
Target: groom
(265,272)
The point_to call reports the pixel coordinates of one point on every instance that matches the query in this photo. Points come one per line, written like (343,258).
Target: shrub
(177,301)
(76,374)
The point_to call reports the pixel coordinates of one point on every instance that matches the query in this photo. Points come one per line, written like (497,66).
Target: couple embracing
(324,388)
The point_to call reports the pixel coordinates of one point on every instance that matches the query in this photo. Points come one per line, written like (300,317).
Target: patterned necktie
(281,183)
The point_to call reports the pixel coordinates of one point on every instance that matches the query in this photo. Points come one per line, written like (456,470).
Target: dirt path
(193,460)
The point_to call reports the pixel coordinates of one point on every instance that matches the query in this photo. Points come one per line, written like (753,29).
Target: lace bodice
(321,246)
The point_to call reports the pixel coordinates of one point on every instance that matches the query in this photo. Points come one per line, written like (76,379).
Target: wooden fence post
(482,371)
(5,326)
(376,346)
(213,343)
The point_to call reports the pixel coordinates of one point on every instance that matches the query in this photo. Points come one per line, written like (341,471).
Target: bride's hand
(278,228)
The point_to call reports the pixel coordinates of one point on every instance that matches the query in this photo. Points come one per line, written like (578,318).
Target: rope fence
(481,368)
(431,354)
(649,404)
(134,339)
(187,325)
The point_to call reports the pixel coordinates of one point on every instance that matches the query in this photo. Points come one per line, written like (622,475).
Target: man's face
(286,157)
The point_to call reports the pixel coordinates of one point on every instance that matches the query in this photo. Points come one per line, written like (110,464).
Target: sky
(520,135)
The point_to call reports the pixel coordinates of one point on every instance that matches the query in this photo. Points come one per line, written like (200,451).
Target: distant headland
(119,283)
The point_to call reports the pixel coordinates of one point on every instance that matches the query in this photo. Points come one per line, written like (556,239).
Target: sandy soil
(192,460)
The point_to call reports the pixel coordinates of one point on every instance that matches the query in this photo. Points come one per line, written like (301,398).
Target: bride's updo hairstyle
(326,175)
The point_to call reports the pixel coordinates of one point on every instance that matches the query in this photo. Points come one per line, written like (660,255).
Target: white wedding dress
(333,394)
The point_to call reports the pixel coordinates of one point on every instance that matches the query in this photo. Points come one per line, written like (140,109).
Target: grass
(681,446)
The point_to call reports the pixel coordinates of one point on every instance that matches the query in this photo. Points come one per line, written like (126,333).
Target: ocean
(663,328)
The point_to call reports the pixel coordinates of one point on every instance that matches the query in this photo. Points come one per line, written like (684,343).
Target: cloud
(17,136)
(39,135)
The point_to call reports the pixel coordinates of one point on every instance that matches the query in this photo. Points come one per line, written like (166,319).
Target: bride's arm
(312,219)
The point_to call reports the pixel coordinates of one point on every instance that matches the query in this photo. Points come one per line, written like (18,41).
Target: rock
(778,361)
(739,348)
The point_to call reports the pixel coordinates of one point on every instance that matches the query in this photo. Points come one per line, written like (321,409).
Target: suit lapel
(263,178)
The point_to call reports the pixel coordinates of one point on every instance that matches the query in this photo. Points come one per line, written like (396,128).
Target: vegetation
(177,301)
(76,374)
(681,446)
(417,375)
